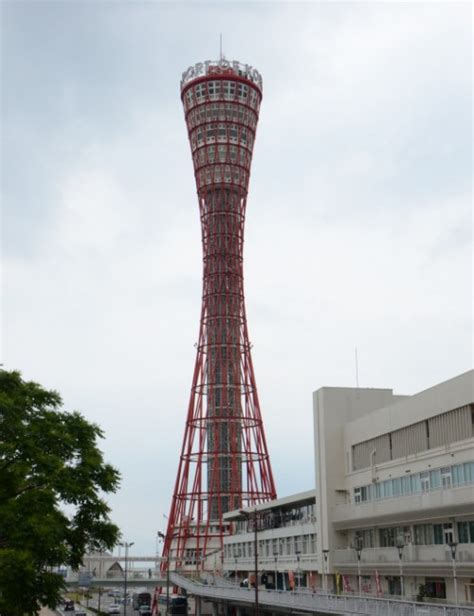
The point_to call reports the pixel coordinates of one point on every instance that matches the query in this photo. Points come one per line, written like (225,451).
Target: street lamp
(400,546)
(163,536)
(325,572)
(275,556)
(357,546)
(101,552)
(247,516)
(453,547)
(298,575)
(126,545)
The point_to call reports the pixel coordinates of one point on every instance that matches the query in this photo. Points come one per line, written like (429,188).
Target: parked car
(114,608)
(144,610)
(68,605)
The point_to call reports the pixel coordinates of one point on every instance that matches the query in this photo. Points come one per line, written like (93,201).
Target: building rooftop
(300,499)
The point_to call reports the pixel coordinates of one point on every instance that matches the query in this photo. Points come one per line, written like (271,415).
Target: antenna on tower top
(220,46)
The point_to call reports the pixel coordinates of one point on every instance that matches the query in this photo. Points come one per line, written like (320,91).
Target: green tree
(53,479)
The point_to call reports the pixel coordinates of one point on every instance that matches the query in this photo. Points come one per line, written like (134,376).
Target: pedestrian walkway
(320,603)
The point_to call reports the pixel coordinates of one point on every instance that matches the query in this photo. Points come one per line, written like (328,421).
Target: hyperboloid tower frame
(224,462)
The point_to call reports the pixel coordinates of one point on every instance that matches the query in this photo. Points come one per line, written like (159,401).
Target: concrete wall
(334,407)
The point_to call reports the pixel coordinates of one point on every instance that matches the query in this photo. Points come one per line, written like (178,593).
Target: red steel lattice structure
(224,462)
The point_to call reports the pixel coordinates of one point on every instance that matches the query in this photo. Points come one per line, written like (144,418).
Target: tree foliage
(53,479)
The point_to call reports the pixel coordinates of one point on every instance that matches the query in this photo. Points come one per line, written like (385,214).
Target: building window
(405,486)
(425,481)
(357,496)
(200,91)
(242,91)
(435,588)
(466,532)
(221,153)
(435,479)
(394,586)
(438,534)
(387,537)
(458,474)
(387,488)
(396,487)
(448,533)
(415,483)
(424,534)
(446,477)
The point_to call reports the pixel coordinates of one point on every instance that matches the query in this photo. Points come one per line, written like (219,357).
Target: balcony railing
(312,602)
(412,554)
(308,562)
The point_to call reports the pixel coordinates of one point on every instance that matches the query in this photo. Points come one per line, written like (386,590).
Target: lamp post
(275,556)
(163,536)
(247,516)
(126,545)
(101,552)
(453,547)
(325,572)
(400,546)
(298,574)
(358,549)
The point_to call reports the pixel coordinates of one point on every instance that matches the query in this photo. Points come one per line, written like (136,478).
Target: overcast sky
(358,229)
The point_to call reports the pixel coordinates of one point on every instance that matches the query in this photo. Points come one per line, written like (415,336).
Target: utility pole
(247,516)
(163,536)
(126,545)
(400,546)
(325,555)
(453,546)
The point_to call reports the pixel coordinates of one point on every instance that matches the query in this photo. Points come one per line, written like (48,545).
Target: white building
(395,478)
(286,542)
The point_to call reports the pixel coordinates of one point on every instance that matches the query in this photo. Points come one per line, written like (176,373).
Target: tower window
(200,92)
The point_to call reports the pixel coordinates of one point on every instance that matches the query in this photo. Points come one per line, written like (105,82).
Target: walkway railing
(324,603)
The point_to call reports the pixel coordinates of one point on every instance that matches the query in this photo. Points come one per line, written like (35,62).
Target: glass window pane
(463,532)
(406,488)
(446,477)
(458,474)
(396,487)
(387,488)
(438,535)
(435,479)
(415,483)
(425,481)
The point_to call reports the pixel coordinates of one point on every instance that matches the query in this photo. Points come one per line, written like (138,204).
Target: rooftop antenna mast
(220,46)
(357,368)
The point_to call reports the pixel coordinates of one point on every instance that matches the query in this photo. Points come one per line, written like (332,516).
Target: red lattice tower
(224,462)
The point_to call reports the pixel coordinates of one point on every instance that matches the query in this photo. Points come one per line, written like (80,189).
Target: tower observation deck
(224,462)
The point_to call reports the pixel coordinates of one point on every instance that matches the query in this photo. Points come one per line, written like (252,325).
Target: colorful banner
(291,580)
(367,584)
(312,580)
(346,584)
(338,583)
(378,585)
